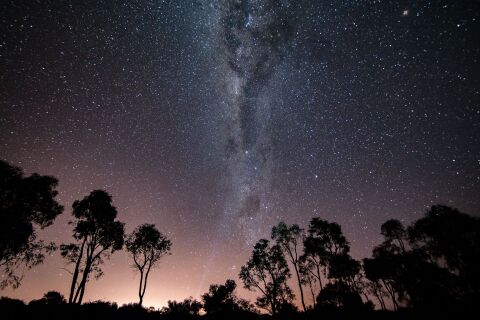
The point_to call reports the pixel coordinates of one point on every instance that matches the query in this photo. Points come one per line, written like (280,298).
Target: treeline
(430,268)
(28,203)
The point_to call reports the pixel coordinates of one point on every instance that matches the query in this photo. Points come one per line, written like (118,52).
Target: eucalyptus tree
(26,204)
(324,241)
(290,239)
(147,246)
(98,235)
(267,271)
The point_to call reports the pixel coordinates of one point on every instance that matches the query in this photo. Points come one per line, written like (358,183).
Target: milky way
(252,37)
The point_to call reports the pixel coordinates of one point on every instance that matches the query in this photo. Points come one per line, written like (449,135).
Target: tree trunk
(83,284)
(319,277)
(86,272)
(391,291)
(76,272)
(300,287)
(140,289)
(311,291)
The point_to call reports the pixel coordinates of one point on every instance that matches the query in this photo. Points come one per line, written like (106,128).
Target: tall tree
(289,238)
(98,235)
(147,246)
(267,271)
(323,241)
(26,203)
(450,240)
(385,267)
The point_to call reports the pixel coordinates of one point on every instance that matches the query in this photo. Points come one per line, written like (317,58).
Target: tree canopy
(26,204)
(98,235)
(147,246)
(267,271)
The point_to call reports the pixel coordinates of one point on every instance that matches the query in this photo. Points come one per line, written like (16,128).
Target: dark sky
(217,119)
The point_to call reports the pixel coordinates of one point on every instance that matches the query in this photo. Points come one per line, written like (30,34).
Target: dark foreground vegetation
(427,270)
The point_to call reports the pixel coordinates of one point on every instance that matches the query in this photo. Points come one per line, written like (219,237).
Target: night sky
(215,120)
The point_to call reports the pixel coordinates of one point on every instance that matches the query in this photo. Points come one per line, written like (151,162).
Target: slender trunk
(383,302)
(402,245)
(300,287)
(380,300)
(311,291)
(319,277)
(391,291)
(140,295)
(145,279)
(274,307)
(76,271)
(365,296)
(81,287)
(83,284)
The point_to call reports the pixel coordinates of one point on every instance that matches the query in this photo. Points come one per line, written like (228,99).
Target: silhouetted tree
(308,278)
(385,267)
(50,301)
(389,266)
(324,240)
(183,309)
(147,246)
(98,235)
(450,238)
(376,289)
(338,295)
(267,270)
(395,234)
(446,242)
(25,202)
(220,300)
(289,238)
(343,268)
(54,298)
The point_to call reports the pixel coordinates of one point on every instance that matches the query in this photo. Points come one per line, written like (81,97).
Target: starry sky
(214,120)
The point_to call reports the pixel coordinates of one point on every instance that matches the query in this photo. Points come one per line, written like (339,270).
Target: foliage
(98,235)
(267,271)
(222,300)
(25,204)
(186,308)
(147,246)
(289,238)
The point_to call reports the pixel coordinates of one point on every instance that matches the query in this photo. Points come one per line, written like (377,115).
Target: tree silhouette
(289,239)
(323,241)
(344,269)
(147,246)
(184,309)
(51,298)
(375,288)
(307,275)
(339,295)
(267,271)
(449,240)
(395,234)
(98,235)
(54,298)
(25,203)
(385,269)
(220,300)
(450,236)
